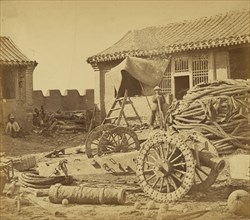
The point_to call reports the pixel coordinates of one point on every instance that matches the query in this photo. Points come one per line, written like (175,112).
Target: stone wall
(70,101)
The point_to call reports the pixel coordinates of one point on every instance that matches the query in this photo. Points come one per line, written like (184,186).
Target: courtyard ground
(213,200)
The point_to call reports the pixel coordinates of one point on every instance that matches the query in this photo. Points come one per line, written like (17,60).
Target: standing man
(157,107)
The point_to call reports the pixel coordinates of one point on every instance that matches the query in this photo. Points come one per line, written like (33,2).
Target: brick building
(201,50)
(16,79)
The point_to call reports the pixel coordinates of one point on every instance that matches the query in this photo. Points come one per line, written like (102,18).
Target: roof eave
(18,63)
(170,49)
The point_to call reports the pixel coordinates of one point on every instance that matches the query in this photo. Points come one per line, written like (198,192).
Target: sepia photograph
(121,110)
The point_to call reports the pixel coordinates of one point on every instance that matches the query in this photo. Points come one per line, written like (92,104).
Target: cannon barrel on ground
(209,160)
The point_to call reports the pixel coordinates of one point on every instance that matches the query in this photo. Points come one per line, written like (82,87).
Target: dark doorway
(181,86)
(239,63)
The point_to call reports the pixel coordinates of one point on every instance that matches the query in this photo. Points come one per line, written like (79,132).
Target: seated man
(13,128)
(36,117)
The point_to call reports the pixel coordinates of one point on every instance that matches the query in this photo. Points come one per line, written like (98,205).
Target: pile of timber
(219,110)
(66,122)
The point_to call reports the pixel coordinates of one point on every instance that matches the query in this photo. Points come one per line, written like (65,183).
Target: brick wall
(71,100)
(21,104)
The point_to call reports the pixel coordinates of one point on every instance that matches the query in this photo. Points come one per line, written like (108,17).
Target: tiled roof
(217,31)
(11,55)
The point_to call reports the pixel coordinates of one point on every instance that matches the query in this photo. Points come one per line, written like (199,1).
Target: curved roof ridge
(117,42)
(11,54)
(221,30)
(17,49)
(221,14)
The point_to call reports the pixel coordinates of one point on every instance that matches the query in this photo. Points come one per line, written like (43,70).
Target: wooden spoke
(109,151)
(111,147)
(150,170)
(179,171)
(156,153)
(129,138)
(152,157)
(167,184)
(131,144)
(173,183)
(158,149)
(172,153)
(95,153)
(203,171)
(150,178)
(156,181)
(166,156)
(162,151)
(197,173)
(150,163)
(117,138)
(162,183)
(115,141)
(178,164)
(176,177)
(176,158)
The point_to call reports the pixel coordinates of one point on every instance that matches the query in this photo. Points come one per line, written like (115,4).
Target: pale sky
(61,35)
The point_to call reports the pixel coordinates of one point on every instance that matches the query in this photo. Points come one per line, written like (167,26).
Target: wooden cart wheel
(93,138)
(204,175)
(119,139)
(165,168)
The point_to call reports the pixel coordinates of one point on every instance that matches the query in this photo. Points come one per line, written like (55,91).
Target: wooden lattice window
(166,80)
(200,69)
(181,64)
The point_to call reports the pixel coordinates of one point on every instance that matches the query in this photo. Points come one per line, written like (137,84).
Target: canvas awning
(148,72)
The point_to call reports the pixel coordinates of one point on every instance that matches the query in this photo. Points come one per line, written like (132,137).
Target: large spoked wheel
(92,141)
(119,139)
(204,175)
(165,168)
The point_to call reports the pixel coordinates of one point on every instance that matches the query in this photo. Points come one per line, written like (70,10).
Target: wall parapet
(71,100)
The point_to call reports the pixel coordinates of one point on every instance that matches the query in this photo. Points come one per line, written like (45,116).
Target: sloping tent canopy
(148,72)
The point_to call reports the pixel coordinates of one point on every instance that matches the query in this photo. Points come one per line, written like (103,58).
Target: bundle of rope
(41,182)
(219,110)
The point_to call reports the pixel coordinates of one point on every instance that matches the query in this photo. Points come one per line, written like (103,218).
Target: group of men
(157,107)
(14,129)
(39,117)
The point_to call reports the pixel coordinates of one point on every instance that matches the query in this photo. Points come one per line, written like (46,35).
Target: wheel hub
(162,168)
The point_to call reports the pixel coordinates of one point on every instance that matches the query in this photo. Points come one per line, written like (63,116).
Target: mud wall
(70,101)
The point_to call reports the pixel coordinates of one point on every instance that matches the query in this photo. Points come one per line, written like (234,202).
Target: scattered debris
(40,182)
(137,205)
(3,179)
(151,205)
(65,202)
(64,122)
(148,214)
(24,163)
(185,216)
(163,208)
(56,153)
(11,188)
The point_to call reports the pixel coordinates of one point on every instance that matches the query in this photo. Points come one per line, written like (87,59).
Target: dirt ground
(213,200)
